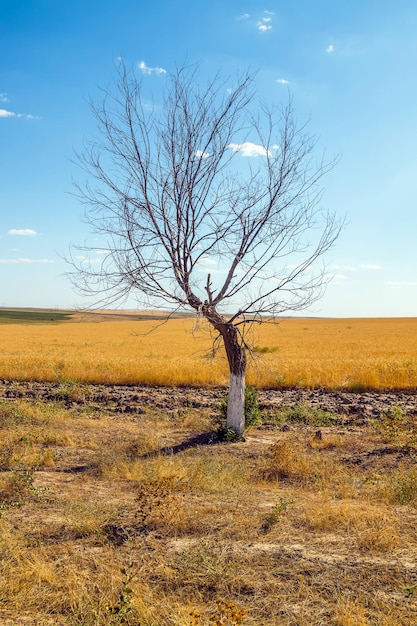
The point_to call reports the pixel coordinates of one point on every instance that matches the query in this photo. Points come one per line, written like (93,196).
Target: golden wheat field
(335,353)
(146,517)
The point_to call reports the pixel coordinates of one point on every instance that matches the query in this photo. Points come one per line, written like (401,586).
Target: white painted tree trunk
(236,403)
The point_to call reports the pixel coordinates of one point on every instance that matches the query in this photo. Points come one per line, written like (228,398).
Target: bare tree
(206,181)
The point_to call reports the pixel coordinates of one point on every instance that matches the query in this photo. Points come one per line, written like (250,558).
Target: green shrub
(403,488)
(303,413)
(252,411)
(394,424)
(252,415)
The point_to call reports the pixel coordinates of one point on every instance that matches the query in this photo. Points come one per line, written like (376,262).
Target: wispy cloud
(249,149)
(201,154)
(205,260)
(26,232)
(330,48)
(370,266)
(88,260)
(212,271)
(337,276)
(401,283)
(25,261)
(6,113)
(264,24)
(343,268)
(145,69)
(282,81)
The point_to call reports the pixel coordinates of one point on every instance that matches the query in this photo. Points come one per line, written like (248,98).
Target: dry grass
(283,529)
(306,352)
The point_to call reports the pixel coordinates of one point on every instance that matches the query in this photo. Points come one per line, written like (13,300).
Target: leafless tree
(206,181)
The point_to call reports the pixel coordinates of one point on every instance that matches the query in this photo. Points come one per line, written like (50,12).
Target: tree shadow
(202,439)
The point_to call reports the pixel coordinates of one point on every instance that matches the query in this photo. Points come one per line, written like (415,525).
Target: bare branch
(210,182)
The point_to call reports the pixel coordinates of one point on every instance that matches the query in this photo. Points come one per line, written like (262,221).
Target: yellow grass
(335,353)
(267,532)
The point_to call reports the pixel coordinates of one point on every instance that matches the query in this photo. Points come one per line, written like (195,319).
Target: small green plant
(18,488)
(120,611)
(224,433)
(403,488)
(265,349)
(277,512)
(410,590)
(252,415)
(303,413)
(395,426)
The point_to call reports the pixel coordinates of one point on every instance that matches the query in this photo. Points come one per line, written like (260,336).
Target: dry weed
(368,527)
(139,521)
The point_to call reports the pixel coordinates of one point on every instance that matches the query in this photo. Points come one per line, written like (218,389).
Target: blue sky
(350,67)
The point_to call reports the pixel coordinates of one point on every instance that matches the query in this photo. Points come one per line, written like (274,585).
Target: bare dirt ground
(134,399)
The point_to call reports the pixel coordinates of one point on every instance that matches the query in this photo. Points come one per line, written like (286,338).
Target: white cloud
(206,261)
(401,283)
(145,69)
(201,154)
(4,113)
(366,266)
(22,231)
(212,271)
(330,48)
(265,23)
(249,149)
(263,26)
(296,266)
(337,276)
(282,81)
(343,268)
(26,261)
(88,260)
(245,16)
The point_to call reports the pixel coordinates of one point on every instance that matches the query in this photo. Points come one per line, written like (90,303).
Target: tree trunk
(236,403)
(236,357)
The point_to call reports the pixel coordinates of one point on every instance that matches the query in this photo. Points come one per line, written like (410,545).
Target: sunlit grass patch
(293,459)
(367,526)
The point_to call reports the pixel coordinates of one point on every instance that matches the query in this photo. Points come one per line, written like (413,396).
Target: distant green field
(29,316)
(45,316)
